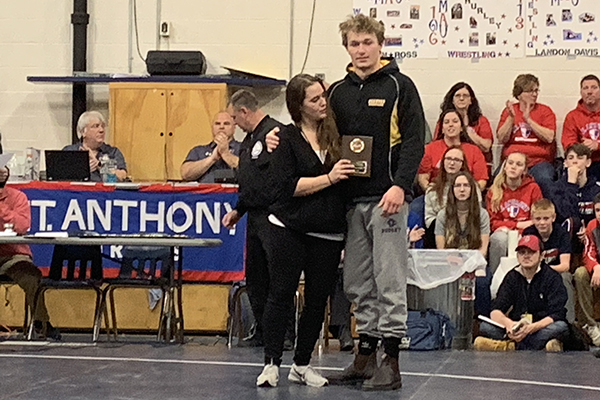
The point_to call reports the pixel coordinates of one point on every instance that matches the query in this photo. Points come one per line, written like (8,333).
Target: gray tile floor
(204,368)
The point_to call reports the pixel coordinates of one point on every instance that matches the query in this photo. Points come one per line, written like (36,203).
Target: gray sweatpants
(375,270)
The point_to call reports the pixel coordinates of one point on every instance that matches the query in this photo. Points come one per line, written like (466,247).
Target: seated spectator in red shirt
(461,98)
(509,203)
(453,134)
(15,259)
(587,278)
(529,127)
(582,125)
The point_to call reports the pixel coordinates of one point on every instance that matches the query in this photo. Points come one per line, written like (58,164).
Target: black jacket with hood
(386,106)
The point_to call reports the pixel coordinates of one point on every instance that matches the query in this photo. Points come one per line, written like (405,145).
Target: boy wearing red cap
(530,305)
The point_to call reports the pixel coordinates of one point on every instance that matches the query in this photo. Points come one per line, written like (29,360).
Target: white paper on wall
(563,28)
(450,28)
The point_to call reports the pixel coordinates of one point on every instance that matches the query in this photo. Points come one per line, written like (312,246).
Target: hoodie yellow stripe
(395,136)
(382,63)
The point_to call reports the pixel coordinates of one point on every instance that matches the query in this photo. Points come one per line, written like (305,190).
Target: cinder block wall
(36,36)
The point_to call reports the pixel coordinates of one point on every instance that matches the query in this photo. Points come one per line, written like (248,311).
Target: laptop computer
(67,165)
(225,176)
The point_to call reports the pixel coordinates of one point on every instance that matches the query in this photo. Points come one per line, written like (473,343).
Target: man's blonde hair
(543,205)
(362,24)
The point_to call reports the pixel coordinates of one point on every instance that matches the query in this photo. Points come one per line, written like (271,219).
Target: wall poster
(450,28)
(563,28)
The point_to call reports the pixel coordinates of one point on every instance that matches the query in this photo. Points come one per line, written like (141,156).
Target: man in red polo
(15,259)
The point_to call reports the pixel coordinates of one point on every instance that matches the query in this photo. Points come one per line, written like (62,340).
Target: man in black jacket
(254,195)
(530,305)
(376,100)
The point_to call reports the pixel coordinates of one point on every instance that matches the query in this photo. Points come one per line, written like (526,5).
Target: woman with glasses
(461,98)
(529,127)
(463,224)
(453,133)
(454,161)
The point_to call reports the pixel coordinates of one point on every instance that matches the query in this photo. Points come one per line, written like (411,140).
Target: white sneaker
(594,332)
(269,376)
(306,375)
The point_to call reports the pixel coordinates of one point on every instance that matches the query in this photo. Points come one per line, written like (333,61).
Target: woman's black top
(321,212)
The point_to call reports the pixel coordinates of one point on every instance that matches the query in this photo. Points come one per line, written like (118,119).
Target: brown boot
(386,377)
(362,368)
(486,344)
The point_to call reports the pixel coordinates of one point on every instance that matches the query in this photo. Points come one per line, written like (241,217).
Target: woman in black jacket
(307,227)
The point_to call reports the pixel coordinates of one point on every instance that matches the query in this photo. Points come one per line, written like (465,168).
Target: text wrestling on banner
(131,212)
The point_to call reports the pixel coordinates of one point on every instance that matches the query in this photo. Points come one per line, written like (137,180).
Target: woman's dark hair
(474,110)
(440,181)
(464,137)
(327,133)
(470,237)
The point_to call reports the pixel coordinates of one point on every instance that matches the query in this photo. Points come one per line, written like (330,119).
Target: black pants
(289,254)
(257,273)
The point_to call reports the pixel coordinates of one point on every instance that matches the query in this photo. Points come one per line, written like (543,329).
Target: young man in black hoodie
(376,100)
(573,195)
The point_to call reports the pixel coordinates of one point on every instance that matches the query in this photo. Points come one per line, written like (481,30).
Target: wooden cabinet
(156,124)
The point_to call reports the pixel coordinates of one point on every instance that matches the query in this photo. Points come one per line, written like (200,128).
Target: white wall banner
(563,28)
(450,28)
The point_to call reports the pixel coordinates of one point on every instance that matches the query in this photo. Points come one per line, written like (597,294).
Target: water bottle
(28,173)
(112,171)
(12,165)
(104,167)
(108,167)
